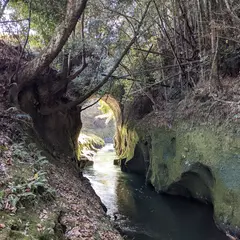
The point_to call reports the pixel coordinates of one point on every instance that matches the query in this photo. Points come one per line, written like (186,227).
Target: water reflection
(144,214)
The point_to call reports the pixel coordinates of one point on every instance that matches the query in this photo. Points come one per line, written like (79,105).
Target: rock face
(138,163)
(201,162)
(116,162)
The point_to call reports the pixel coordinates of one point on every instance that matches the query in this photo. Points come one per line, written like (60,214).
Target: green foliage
(19,151)
(46,14)
(168,36)
(104,108)
(126,143)
(23,190)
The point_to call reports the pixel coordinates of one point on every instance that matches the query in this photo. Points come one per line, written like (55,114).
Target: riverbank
(189,148)
(42,197)
(141,213)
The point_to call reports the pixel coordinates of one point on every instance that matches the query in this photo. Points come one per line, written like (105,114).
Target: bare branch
(65,66)
(91,104)
(46,111)
(125,16)
(168,38)
(61,34)
(84,63)
(231,12)
(78,72)
(29,27)
(147,51)
(105,80)
(158,83)
(125,77)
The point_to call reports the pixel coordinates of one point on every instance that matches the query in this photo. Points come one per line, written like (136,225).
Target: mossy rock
(201,162)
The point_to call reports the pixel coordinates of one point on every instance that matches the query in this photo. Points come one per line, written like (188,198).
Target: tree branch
(158,83)
(168,38)
(88,106)
(78,72)
(231,12)
(147,51)
(83,41)
(64,72)
(125,77)
(84,63)
(61,34)
(47,111)
(123,15)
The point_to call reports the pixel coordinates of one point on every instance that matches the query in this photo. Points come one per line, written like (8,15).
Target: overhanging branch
(78,72)
(25,43)
(47,111)
(61,34)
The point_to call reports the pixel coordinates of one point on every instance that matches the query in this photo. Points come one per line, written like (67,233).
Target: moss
(22,219)
(204,160)
(126,143)
(24,226)
(90,141)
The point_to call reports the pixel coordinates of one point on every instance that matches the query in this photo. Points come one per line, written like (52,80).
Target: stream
(140,212)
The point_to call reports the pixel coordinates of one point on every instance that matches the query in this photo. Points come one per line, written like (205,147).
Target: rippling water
(142,213)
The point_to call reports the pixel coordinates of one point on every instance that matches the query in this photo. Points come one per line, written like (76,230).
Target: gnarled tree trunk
(40,87)
(41,90)
(59,129)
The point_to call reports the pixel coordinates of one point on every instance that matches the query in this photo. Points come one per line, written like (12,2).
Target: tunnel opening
(100,119)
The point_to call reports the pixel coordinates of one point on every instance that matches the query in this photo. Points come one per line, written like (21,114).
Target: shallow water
(143,214)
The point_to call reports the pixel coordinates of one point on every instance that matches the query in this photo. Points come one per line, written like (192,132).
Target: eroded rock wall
(201,162)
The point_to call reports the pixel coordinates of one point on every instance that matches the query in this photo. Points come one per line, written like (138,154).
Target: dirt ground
(42,197)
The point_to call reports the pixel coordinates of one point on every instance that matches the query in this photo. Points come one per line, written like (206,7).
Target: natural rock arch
(45,94)
(112,103)
(115,107)
(76,122)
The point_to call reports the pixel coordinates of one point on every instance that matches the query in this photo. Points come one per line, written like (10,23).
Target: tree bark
(61,34)
(36,88)
(41,93)
(60,131)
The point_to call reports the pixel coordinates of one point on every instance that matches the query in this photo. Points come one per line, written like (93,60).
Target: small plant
(29,185)
(39,161)
(19,194)
(22,192)
(19,151)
